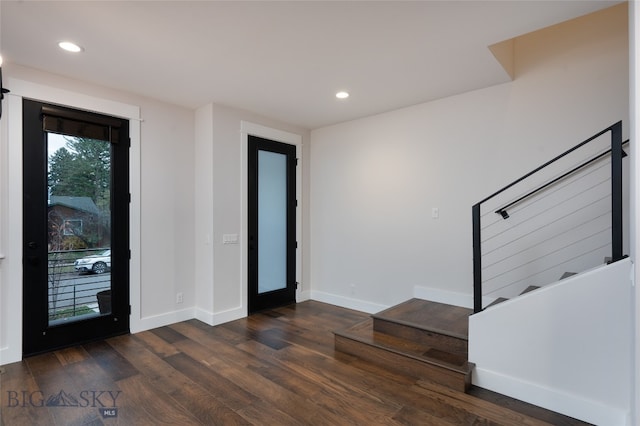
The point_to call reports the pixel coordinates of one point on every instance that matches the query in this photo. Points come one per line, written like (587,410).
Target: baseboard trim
(216,318)
(302,296)
(155,321)
(9,355)
(346,302)
(563,403)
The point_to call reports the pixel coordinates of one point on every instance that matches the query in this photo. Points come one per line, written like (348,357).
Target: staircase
(607,260)
(424,339)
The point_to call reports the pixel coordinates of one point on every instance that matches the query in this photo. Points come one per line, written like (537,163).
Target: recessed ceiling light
(342,95)
(70,47)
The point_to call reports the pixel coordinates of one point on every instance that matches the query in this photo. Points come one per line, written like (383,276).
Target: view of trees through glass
(79,225)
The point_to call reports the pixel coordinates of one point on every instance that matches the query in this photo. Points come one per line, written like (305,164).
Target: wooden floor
(273,368)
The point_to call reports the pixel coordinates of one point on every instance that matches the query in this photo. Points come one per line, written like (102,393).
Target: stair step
(437,317)
(567,275)
(412,357)
(424,339)
(530,288)
(495,302)
(440,326)
(504,299)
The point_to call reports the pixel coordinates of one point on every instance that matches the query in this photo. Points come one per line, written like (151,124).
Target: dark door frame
(249,128)
(258,301)
(11,159)
(38,335)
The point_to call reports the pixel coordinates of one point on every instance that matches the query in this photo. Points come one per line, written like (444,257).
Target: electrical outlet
(179,298)
(230,239)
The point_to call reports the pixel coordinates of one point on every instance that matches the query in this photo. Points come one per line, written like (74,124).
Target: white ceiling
(284,60)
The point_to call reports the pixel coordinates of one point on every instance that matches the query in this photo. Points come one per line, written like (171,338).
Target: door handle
(32,245)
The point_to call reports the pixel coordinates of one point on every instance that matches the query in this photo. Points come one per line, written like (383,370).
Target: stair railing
(616,153)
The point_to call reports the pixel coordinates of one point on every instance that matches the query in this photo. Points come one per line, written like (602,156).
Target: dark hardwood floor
(273,368)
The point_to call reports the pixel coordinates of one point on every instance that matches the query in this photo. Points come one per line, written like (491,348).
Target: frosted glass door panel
(272,221)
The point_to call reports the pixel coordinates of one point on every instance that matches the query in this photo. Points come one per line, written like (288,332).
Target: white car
(96,263)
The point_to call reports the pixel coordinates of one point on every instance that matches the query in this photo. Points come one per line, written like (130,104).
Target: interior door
(75,226)
(272,223)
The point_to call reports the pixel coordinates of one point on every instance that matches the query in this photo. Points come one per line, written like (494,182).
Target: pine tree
(82,169)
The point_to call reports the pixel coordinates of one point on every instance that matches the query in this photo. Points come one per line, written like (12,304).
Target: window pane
(78,226)
(272,221)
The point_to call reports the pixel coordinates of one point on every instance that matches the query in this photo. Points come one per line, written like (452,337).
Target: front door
(272,223)
(75,226)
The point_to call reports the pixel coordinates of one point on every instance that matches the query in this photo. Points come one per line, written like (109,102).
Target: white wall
(167,229)
(634,98)
(188,173)
(220,168)
(162,208)
(562,347)
(375,181)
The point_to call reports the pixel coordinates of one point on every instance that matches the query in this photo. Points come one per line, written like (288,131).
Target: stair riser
(436,340)
(393,361)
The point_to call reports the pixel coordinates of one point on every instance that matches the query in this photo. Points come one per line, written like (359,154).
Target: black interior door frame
(259,301)
(38,335)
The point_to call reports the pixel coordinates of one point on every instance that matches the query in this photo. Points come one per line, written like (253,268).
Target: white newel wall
(564,347)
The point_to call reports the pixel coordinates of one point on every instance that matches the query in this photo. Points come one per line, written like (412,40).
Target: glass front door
(76,221)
